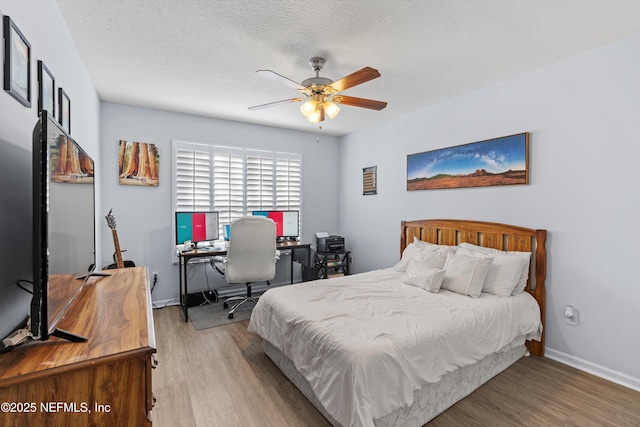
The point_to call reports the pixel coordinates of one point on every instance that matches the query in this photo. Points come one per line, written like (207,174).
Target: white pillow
(464,274)
(424,276)
(503,275)
(407,255)
(431,257)
(445,248)
(525,256)
(422,249)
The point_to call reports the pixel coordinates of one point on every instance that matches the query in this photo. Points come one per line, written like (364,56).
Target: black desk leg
(183,296)
(291,267)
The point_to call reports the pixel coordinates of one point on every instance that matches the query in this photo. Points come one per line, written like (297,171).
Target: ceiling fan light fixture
(308,107)
(316,116)
(331,109)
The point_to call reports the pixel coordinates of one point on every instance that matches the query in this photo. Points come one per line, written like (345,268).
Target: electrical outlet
(570,316)
(155,276)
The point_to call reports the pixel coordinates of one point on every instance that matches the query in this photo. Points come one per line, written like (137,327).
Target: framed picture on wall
(138,164)
(17,63)
(369,180)
(64,115)
(46,90)
(498,161)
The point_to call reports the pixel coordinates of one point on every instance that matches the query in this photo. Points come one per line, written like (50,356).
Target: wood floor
(220,377)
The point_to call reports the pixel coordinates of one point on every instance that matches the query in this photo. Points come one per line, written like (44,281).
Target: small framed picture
(17,63)
(64,115)
(46,90)
(369,180)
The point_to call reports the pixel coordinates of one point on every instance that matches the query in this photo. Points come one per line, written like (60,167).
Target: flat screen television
(197,227)
(287,222)
(63,225)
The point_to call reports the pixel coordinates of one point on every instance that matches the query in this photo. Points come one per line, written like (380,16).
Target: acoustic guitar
(119,263)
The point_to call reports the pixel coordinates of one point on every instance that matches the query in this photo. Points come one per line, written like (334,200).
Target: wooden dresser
(105,381)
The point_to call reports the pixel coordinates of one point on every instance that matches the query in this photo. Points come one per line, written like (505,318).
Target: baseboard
(597,370)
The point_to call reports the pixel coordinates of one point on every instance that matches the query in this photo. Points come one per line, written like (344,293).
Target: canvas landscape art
(498,161)
(138,164)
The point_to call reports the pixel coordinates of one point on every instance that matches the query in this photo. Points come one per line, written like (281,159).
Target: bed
(372,350)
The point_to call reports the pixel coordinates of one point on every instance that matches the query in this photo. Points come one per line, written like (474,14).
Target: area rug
(212,315)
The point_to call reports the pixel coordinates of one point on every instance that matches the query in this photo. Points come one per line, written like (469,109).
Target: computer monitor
(196,227)
(287,222)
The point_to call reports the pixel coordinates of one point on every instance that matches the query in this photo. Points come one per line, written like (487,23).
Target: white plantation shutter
(228,186)
(234,181)
(192,180)
(260,185)
(288,183)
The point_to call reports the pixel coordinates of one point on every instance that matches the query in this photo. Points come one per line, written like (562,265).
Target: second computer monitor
(287,222)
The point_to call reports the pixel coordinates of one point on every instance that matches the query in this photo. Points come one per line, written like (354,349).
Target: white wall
(583,117)
(144,214)
(43,26)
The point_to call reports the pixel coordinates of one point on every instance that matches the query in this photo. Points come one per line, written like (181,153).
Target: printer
(330,244)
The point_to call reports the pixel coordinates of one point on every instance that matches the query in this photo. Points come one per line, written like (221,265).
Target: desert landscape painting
(498,161)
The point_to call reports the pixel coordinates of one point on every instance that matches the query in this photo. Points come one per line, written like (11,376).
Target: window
(234,181)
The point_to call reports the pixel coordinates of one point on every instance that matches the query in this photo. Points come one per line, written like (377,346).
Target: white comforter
(365,342)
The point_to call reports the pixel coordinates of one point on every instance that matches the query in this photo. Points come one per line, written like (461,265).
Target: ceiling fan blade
(360,102)
(359,77)
(273,104)
(272,75)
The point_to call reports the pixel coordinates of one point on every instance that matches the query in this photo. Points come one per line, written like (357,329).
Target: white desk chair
(251,256)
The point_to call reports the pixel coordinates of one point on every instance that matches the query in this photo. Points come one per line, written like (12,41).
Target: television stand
(112,370)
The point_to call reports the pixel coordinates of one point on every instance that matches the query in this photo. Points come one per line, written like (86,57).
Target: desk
(185,257)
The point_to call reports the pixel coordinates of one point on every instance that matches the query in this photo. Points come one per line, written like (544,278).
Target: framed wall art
(17,63)
(46,90)
(369,180)
(64,108)
(138,164)
(498,161)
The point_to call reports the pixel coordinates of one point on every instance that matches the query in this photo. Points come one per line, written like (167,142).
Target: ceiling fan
(322,94)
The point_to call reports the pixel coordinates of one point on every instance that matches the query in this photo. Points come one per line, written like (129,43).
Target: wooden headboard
(491,235)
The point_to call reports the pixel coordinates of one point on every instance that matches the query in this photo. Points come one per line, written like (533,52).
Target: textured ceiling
(200,56)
